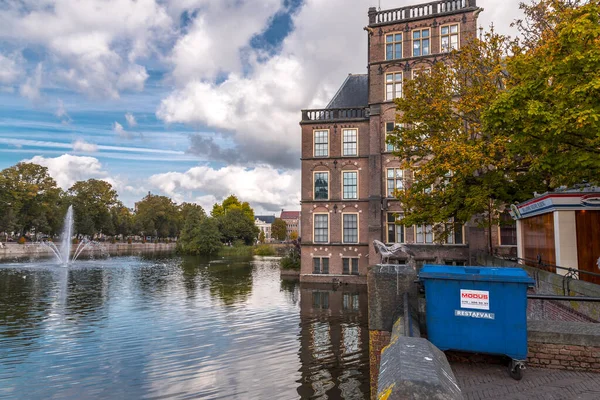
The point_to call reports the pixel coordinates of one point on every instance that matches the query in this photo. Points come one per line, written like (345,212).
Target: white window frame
(424,232)
(449,35)
(417,71)
(420,40)
(389,149)
(315,183)
(344,130)
(396,226)
(315,131)
(393,43)
(395,84)
(395,179)
(351,261)
(314,227)
(343,185)
(357,228)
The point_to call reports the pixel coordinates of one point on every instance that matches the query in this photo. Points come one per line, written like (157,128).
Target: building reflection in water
(335,342)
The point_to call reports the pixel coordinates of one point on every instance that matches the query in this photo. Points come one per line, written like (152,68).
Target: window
(395,181)
(393,86)
(448,38)
(395,231)
(350,228)
(389,131)
(320,265)
(350,301)
(321,144)
(321,228)
(350,185)
(421,42)
(320,300)
(350,266)
(321,185)
(508,230)
(455,234)
(424,234)
(417,72)
(393,46)
(350,142)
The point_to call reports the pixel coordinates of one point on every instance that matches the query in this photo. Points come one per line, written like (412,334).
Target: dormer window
(421,42)
(393,46)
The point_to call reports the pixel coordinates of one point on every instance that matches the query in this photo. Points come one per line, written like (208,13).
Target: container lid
(484,274)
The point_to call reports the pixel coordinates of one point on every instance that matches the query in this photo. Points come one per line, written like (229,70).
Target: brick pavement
(485,381)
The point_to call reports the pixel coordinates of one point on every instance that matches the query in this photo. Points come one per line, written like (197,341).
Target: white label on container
(478,299)
(474,314)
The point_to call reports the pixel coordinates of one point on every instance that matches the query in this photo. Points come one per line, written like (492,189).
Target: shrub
(21,240)
(292,259)
(129,241)
(75,241)
(264,250)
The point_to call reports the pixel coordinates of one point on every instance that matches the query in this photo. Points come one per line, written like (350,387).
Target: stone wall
(564,345)
(377,341)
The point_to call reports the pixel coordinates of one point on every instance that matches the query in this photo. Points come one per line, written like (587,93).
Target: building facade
(292,221)
(349,173)
(264,222)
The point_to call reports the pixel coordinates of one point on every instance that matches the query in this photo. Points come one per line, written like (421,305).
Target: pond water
(178,328)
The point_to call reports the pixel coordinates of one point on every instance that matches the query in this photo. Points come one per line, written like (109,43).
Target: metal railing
(571,272)
(418,11)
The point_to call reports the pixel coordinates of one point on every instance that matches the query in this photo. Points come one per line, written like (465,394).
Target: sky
(193,99)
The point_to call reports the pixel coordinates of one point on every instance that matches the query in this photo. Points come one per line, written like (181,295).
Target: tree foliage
(232,203)
(200,235)
(157,216)
(550,111)
(279,229)
(92,202)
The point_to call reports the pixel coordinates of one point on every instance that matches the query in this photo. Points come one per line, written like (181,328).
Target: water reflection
(177,328)
(334,336)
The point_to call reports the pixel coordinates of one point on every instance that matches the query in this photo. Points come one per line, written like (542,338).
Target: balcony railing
(334,114)
(418,11)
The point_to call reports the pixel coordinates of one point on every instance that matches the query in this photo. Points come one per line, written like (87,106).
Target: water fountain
(63,254)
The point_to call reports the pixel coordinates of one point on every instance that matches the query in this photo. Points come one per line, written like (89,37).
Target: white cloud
(83,146)
(264,187)
(130,120)
(10,69)
(61,112)
(68,169)
(119,130)
(95,45)
(31,88)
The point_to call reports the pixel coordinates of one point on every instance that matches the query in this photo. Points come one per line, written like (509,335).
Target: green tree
(235,225)
(157,216)
(279,229)
(261,237)
(29,199)
(232,203)
(550,112)
(461,170)
(122,220)
(92,202)
(200,235)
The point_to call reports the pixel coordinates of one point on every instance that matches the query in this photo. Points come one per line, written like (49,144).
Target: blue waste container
(478,309)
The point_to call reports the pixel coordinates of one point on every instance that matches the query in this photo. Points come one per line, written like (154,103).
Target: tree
(460,169)
(157,216)
(200,234)
(550,112)
(232,203)
(92,203)
(122,220)
(235,225)
(187,209)
(261,237)
(279,229)
(29,199)
(294,236)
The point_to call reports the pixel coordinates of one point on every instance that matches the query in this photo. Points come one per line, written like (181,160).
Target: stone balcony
(334,115)
(419,11)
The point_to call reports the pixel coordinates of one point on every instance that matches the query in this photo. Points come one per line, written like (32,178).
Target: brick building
(292,222)
(349,173)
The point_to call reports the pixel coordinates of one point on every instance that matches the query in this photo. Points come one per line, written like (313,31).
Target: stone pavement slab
(491,381)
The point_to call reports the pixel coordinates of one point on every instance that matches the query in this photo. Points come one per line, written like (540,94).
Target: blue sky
(194,99)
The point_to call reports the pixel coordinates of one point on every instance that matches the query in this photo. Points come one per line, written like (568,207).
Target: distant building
(292,220)
(264,222)
(561,228)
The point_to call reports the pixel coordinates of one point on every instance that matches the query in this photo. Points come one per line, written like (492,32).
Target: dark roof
(290,214)
(354,92)
(269,219)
